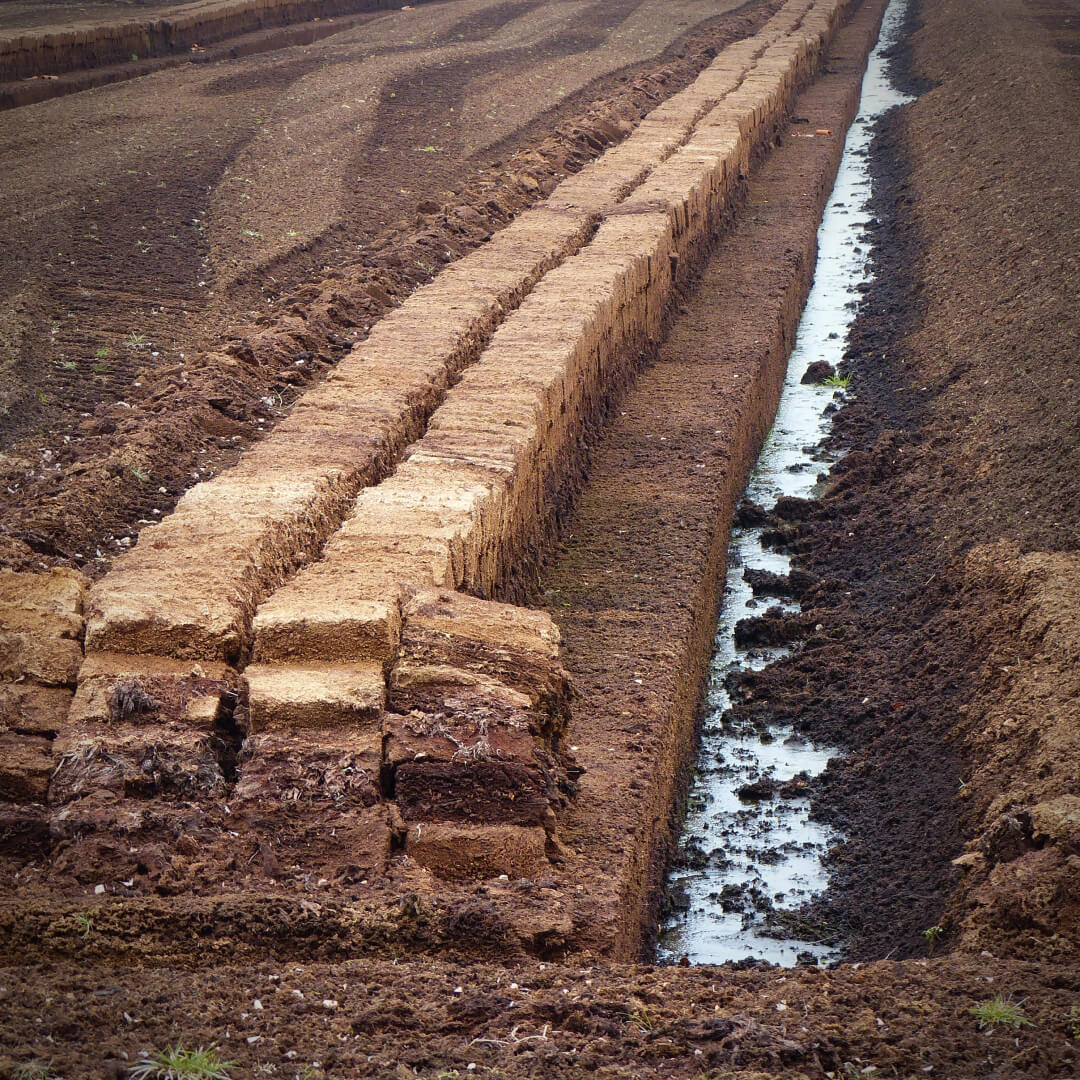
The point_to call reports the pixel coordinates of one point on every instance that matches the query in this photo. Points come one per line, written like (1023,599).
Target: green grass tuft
(176,1063)
(33,1070)
(1000,1011)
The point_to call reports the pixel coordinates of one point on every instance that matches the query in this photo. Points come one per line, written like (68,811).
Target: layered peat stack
(313,665)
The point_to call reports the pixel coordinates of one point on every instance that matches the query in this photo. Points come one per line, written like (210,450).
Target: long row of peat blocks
(318,638)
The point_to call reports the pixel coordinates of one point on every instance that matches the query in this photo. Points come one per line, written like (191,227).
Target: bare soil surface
(946,659)
(398,1021)
(183,252)
(17,15)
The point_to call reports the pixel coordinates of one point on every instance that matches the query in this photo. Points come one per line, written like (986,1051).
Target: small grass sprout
(837,381)
(1072,1022)
(932,933)
(641,1019)
(33,1070)
(1000,1011)
(177,1063)
(85,924)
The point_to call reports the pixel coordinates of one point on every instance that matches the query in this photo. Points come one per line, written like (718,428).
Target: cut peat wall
(56,50)
(399,732)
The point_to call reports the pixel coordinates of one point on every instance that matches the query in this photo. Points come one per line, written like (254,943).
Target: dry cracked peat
(960,491)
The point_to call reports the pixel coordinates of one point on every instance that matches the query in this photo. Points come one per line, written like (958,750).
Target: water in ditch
(750,855)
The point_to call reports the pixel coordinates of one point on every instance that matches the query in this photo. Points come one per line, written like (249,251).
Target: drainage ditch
(751,857)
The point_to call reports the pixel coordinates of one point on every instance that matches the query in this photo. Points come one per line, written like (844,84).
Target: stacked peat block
(41,628)
(139,766)
(473,494)
(167,606)
(174,617)
(474,497)
(357,731)
(469,741)
(190,586)
(478,705)
(312,795)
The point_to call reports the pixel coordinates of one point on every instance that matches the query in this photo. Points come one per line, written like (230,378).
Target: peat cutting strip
(55,50)
(637,586)
(273,511)
(396,726)
(752,854)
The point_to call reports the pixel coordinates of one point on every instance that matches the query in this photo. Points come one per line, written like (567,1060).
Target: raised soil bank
(86,44)
(443,754)
(637,586)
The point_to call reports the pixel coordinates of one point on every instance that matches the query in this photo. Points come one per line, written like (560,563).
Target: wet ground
(939,468)
(751,856)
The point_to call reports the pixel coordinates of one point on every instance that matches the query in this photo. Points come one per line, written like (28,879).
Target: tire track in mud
(413,102)
(480,26)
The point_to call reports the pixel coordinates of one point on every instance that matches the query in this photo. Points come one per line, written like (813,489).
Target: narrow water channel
(750,855)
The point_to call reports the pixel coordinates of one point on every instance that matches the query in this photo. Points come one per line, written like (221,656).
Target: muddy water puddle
(750,856)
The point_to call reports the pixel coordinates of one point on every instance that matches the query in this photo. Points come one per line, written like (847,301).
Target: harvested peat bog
(380,387)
